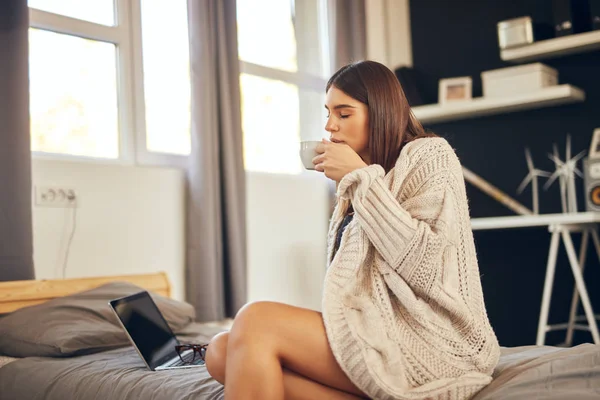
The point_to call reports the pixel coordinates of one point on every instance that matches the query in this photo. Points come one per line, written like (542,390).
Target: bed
(109,371)
(114,373)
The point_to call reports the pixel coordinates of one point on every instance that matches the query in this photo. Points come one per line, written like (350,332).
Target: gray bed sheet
(545,372)
(528,372)
(115,375)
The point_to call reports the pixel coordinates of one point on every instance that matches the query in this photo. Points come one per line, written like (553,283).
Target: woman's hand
(336,160)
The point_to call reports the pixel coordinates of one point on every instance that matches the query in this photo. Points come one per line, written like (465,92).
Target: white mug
(308,152)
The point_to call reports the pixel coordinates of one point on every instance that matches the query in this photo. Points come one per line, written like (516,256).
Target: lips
(336,140)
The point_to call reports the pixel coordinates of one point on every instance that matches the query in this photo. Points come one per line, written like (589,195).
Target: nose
(330,126)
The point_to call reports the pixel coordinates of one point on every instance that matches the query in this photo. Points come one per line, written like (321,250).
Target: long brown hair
(391,122)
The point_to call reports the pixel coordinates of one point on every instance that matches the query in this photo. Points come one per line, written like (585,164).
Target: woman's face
(348,122)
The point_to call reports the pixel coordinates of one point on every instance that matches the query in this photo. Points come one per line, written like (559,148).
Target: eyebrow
(339,106)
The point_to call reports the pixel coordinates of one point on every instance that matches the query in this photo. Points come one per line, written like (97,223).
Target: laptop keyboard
(187,360)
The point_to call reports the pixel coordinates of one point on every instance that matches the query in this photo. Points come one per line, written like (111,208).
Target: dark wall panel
(458,38)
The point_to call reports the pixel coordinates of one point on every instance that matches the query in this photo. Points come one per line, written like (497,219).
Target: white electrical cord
(73,199)
(68,249)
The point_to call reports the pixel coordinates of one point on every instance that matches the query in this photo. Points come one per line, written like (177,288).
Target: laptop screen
(147,328)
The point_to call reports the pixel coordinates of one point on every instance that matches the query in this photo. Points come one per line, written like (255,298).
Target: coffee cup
(308,151)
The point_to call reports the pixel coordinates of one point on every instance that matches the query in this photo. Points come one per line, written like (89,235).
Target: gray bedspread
(544,372)
(527,372)
(110,375)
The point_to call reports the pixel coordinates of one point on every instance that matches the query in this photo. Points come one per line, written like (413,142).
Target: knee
(216,355)
(253,321)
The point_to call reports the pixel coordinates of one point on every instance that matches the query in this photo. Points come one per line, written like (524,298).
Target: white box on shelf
(516,80)
(515,32)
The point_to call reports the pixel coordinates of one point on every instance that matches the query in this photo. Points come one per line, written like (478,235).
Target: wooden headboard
(19,294)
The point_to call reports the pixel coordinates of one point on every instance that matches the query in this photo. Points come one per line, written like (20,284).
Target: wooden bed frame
(19,294)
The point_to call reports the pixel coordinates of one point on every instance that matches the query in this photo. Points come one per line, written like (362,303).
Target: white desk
(525,221)
(560,225)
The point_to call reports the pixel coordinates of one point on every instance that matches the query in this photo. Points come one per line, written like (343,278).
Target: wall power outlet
(55,196)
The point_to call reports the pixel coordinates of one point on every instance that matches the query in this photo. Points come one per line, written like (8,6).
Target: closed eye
(343,116)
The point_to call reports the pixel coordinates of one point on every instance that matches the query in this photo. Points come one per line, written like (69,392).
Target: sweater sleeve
(406,235)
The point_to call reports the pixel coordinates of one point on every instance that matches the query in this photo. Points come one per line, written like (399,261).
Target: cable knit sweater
(402,303)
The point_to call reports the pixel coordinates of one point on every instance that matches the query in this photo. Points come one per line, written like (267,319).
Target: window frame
(126,35)
(120,36)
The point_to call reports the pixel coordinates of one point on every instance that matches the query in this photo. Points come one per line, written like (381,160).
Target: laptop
(150,334)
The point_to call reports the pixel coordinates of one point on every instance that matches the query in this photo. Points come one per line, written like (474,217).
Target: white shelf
(561,46)
(527,221)
(481,106)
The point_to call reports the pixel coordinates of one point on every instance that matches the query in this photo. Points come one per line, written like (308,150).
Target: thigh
(299,338)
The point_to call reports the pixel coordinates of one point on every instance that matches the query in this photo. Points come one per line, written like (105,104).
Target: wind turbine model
(532,177)
(565,171)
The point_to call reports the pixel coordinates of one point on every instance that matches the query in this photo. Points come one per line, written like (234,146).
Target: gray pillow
(81,323)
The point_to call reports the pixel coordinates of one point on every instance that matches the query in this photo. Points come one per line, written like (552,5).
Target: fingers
(318,159)
(319,163)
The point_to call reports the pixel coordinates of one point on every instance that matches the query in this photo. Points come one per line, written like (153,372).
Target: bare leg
(295,387)
(302,368)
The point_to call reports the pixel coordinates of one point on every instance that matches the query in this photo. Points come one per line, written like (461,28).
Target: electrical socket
(55,196)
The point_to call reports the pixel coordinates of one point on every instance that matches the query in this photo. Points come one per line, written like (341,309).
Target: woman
(403,311)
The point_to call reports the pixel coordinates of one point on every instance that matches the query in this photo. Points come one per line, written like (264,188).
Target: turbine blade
(524,183)
(528,157)
(551,180)
(578,156)
(557,161)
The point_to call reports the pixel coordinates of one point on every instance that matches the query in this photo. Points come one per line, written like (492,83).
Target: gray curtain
(347,32)
(216,216)
(16,237)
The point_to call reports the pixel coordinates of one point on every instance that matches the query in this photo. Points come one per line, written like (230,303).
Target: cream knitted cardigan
(402,302)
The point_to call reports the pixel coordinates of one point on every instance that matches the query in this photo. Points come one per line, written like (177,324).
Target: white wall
(130,220)
(287,219)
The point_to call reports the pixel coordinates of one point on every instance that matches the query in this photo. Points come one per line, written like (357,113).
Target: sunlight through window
(73,95)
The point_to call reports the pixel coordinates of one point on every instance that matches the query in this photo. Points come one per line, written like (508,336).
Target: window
(271,123)
(109,79)
(166,72)
(276,34)
(70,112)
(282,81)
